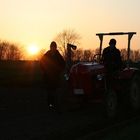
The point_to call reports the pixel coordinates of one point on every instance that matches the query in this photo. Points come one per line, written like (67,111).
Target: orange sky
(39,21)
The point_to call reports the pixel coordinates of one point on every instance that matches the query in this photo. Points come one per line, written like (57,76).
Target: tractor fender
(135,72)
(128,73)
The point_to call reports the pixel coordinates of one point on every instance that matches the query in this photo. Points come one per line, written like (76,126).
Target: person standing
(111,57)
(52,65)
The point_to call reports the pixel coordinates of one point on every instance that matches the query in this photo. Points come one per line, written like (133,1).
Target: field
(23,73)
(21,86)
(20,73)
(24,112)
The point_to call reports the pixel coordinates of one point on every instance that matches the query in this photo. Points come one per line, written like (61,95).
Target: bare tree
(65,37)
(78,55)
(13,52)
(124,54)
(10,51)
(3,48)
(87,55)
(136,55)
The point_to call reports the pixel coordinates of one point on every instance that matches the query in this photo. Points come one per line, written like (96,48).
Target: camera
(71,46)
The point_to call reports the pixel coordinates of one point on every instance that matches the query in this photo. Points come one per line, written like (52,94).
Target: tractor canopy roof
(130,35)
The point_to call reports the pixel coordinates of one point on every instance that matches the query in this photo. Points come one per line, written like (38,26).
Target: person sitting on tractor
(111,57)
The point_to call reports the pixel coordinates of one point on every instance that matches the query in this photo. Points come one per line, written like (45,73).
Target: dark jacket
(112,59)
(52,66)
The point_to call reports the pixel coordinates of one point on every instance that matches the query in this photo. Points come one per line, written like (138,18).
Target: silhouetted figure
(111,57)
(53,65)
(112,61)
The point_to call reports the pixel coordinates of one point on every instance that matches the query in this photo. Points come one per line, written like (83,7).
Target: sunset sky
(39,21)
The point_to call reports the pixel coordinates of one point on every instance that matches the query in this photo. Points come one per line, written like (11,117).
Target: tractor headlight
(99,77)
(66,77)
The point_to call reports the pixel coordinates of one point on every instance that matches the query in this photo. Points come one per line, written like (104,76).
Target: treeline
(134,55)
(13,51)
(88,55)
(10,51)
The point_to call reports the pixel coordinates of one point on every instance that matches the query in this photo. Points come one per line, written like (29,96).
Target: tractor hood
(83,74)
(87,67)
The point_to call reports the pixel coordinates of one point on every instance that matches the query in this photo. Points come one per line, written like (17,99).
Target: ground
(24,116)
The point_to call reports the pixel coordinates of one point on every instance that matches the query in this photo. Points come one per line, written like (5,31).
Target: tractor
(88,81)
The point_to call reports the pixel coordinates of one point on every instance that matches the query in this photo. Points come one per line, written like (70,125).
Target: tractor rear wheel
(111,103)
(134,93)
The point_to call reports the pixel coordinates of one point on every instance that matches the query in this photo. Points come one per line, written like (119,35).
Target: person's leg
(51,100)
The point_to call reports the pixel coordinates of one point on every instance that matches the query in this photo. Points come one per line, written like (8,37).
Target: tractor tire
(134,93)
(111,103)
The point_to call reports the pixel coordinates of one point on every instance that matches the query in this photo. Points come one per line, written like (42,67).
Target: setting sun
(33,49)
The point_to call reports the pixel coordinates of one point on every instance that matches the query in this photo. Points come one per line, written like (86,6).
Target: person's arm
(61,61)
(118,59)
(103,56)
(43,62)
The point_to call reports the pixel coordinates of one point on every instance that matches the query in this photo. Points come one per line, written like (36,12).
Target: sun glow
(33,49)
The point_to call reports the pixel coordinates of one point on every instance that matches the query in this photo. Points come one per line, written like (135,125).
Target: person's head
(53,46)
(112,42)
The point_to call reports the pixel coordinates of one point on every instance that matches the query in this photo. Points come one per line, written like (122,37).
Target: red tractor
(88,81)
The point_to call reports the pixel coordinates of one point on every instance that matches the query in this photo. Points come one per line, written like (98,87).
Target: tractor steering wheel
(97,57)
